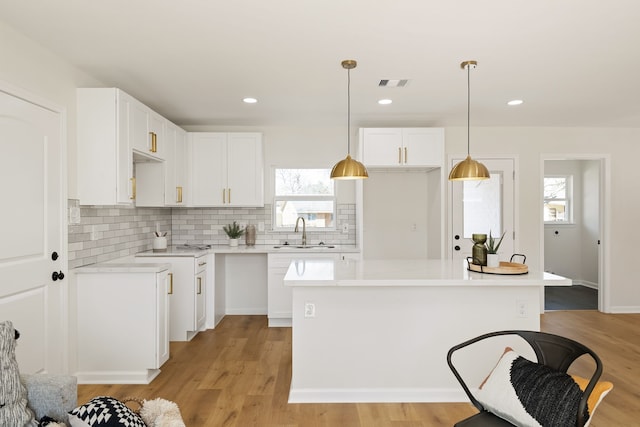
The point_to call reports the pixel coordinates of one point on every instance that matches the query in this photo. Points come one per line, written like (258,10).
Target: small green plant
(234,231)
(492,246)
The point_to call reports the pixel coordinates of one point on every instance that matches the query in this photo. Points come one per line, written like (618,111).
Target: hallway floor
(574,297)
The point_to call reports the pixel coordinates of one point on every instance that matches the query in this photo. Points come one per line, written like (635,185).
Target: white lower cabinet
(123,317)
(188,294)
(279,301)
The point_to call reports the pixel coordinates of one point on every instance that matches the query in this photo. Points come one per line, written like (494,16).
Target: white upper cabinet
(402,147)
(114,132)
(227,169)
(176,166)
(105,162)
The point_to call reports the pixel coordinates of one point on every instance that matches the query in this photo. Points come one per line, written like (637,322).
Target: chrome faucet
(304,230)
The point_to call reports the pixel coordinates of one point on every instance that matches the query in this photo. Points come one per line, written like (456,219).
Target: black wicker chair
(551,350)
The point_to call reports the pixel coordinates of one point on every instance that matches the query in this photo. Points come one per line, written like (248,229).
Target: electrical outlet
(261,226)
(521,308)
(93,235)
(309,309)
(345,227)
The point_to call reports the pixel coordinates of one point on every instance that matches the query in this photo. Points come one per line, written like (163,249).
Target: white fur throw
(161,413)
(13,394)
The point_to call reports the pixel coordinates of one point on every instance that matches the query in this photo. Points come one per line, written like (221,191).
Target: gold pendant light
(468,169)
(349,168)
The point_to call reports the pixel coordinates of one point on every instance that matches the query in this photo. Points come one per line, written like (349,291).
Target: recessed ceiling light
(249,100)
(515,102)
(385,101)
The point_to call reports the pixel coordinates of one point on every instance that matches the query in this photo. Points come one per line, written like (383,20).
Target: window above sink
(306,193)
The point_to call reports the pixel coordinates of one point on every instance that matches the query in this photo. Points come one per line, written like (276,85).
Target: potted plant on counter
(234,231)
(492,250)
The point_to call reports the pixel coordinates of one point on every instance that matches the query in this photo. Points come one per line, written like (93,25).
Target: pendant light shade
(349,168)
(468,169)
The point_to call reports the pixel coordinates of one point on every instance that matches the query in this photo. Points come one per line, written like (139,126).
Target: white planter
(159,244)
(233,242)
(493,260)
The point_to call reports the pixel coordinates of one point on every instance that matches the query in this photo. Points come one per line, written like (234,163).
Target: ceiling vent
(393,83)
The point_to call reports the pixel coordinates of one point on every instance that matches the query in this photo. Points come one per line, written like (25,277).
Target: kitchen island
(379,330)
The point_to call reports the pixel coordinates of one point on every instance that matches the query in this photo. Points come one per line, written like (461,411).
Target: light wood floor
(238,376)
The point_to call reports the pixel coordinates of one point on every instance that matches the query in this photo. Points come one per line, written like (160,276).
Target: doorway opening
(573,217)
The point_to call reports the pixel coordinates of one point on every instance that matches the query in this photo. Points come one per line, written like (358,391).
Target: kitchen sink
(304,247)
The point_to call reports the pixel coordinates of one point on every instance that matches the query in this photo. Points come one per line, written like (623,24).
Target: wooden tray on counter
(503,268)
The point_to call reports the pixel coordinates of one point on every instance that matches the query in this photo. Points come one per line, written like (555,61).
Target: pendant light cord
(349,111)
(468,109)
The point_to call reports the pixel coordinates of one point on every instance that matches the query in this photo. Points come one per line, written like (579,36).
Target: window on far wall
(557,199)
(306,193)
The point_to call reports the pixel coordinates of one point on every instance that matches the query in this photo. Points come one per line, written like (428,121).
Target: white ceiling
(573,62)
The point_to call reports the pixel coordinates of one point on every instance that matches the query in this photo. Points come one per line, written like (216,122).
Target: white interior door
(32,230)
(483,207)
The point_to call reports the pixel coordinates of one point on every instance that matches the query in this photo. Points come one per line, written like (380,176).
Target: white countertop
(123,267)
(175,251)
(180,250)
(329,272)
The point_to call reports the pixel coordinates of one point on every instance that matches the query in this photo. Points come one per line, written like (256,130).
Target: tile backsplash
(109,232)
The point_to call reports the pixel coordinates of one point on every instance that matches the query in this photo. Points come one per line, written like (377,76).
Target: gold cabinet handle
(224,195)
(133,188)
(170,284)
(199,285)
(229,201)
(154,142)
(178,194)
(405,155)
(399,155)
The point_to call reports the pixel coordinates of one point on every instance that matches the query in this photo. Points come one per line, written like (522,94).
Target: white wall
(396,222)
(30,67)
(529,145)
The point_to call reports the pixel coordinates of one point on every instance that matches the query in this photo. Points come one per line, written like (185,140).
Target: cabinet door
(382,146)
(180,161)
(209,168)
(245,174)
(175,166)
(125,191)
(423,147)
(170,165)
(105,165)
(139,139)
(163,287)
(200,300)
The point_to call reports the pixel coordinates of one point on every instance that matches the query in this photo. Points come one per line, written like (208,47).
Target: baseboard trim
(629,309)
(586,284)
(372,395)
(144,376)
(279,322)
(247,311)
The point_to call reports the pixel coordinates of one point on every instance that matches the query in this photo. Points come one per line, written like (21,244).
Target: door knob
(457,237)
(456,247)
(54,255)
(57,276)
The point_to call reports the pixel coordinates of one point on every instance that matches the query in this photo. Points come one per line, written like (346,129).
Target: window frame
(316,198)
(568,199)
